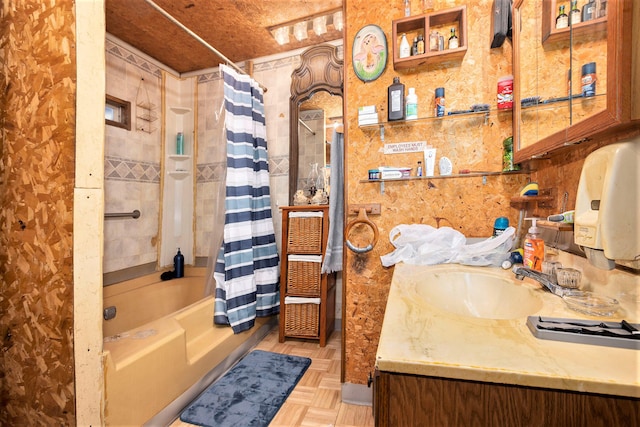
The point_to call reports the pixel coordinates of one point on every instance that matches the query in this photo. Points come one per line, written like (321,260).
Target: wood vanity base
(412,400)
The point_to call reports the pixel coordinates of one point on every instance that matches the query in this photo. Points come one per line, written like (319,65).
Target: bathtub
(161,349)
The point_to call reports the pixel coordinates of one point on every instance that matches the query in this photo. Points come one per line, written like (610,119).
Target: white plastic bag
(422,244)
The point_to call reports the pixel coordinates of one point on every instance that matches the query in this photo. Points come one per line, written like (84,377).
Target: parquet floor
(316,399)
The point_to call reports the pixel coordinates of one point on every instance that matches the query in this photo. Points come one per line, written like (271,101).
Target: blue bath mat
(250,394)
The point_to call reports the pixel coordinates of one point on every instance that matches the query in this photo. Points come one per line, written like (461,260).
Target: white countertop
(423,339)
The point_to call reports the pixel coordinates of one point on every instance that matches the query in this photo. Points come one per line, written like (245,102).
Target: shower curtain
(247,267)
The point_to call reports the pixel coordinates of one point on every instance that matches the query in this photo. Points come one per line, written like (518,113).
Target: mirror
(548,65)
(318,116)
(315,103)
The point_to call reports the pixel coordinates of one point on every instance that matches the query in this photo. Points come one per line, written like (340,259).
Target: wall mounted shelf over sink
(441,21)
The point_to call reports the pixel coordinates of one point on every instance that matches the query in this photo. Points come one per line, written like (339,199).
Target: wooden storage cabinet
(304,241)
(423,24)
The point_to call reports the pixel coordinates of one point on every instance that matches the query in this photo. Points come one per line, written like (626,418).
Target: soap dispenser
(533,247)
(607,224)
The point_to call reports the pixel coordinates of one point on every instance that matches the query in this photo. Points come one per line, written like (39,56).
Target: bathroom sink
(478,294)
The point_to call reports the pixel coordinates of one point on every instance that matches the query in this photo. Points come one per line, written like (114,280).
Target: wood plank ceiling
(237,28)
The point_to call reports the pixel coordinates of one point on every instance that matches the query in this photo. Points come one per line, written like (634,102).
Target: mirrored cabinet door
(566,85)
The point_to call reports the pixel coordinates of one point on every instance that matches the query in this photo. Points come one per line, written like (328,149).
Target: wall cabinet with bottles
(444,35)
(575,83)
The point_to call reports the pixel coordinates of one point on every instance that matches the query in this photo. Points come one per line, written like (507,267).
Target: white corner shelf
(179,174)
(180,110)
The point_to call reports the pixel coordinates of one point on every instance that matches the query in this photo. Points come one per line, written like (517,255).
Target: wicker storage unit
(303,278)
(304,241)
(305,235)
(302,320)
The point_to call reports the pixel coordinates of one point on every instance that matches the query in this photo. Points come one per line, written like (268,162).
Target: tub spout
(544,279)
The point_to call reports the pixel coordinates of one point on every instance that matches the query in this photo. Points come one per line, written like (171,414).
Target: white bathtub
(162,349)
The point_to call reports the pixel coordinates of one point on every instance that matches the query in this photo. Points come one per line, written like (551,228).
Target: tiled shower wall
(132,162)
(132,158)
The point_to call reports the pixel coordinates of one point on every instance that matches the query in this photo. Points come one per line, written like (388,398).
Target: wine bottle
(574,14)
(562,21)
(453,40)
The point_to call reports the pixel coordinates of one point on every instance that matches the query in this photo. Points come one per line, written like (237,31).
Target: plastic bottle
(407,8)
(180,143)
(405,48)
(419,168)
(533,248)
(178,264)
(412,104)
(395,100)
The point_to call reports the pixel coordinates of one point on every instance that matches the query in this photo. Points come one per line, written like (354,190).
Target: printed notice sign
(405,147)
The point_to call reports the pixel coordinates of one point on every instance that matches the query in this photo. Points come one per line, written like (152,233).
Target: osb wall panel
(466,204)
(36,195)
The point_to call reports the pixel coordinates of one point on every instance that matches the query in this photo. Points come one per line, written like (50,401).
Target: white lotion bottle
(412,105)
(430,161)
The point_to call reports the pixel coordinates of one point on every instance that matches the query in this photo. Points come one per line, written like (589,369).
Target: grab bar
(135,214)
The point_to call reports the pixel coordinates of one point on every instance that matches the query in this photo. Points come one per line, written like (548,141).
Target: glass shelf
(457,115)
(482,174)
(562,102)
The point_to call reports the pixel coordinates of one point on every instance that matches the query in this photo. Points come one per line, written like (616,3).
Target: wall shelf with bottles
(482,174)
(595,27)
(412,26)
(449,116)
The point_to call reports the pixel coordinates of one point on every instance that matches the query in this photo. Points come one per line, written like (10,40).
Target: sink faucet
(546,280)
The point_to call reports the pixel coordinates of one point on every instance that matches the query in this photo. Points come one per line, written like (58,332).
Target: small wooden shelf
(560,226)
(423,24)
(550,34)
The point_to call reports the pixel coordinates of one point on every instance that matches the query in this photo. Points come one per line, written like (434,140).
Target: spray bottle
(533,247)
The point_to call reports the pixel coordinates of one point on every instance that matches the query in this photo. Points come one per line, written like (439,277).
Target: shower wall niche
(178,177)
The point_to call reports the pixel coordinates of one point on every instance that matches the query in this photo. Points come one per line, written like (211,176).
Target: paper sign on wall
(405,147)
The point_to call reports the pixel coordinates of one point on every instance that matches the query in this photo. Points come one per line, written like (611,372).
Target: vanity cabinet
(307,297)
(550,111)
(415,400)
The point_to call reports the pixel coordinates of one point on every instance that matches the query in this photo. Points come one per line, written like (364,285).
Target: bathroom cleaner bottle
(533,248)
(395,100)
(178,264)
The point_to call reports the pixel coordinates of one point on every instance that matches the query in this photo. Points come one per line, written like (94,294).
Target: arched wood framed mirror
(320,70)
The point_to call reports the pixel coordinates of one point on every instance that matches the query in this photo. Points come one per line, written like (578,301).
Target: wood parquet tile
(316,400)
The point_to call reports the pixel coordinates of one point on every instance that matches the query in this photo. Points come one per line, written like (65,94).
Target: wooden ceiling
(237,28)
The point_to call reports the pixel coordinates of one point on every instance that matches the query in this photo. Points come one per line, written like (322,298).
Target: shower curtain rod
(200,39)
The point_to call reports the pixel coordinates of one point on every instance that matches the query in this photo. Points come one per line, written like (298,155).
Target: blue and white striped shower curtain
(247,270)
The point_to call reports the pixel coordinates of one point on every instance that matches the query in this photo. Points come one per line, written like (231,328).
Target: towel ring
(361,219)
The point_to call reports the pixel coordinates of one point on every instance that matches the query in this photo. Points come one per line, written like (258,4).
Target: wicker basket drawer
(304,276)
(302,320)
(304,235)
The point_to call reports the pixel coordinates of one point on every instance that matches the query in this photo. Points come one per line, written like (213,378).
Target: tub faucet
(546,280)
